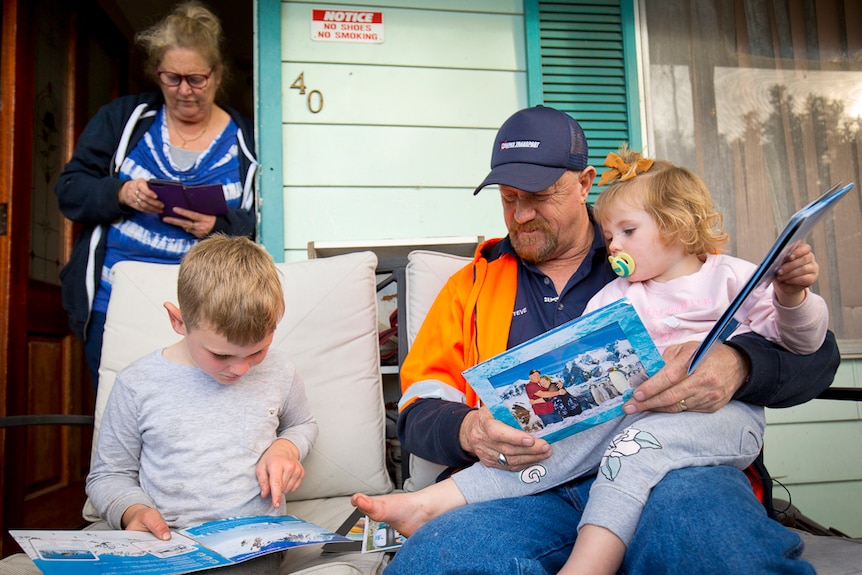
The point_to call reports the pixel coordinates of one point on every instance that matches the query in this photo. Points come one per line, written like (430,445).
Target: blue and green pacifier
(622,264)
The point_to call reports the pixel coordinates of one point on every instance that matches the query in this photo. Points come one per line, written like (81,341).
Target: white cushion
(426,274)
(329,330)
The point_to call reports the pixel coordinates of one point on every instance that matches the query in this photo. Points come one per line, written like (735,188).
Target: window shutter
(581,59)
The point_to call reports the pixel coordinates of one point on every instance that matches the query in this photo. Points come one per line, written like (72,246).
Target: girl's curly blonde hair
(677,199)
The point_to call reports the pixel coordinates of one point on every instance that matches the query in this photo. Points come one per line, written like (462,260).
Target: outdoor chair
(426,273)
(330,332)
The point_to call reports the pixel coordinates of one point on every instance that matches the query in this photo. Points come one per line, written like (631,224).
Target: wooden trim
(7,134)
(850,349)
(630,67)
(8,22)
(533,47)
(16,146)
(70,129)
(268,103)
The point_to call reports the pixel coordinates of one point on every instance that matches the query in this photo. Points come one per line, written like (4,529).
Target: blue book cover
(597,359)
(212,544)
(796,230)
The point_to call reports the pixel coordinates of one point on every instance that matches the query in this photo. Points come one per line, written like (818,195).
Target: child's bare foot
(396,509)
(407,512)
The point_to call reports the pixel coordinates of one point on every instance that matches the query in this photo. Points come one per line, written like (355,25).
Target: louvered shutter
(581,59)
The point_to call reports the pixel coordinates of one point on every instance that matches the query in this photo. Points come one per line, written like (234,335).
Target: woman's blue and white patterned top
(144,237)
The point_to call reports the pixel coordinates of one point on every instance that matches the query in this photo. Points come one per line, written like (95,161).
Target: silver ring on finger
(501,459)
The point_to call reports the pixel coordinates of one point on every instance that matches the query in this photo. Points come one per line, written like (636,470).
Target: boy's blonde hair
(230,285)
(677,200)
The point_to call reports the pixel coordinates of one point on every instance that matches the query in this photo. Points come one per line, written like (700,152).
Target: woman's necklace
(187,141)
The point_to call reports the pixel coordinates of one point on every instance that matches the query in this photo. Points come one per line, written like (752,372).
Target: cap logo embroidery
(519,144)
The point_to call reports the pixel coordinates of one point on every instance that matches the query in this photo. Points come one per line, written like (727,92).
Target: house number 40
(315,98)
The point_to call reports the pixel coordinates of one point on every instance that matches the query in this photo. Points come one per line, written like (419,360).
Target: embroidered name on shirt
(549,299)
(519,144)
(518,312)
(681,307)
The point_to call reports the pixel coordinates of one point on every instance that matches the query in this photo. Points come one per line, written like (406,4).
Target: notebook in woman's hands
(206,198)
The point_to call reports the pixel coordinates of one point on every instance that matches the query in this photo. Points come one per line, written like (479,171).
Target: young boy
(203,429)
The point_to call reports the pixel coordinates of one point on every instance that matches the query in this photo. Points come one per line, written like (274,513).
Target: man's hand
(486,438)
(279,470)
(709,388)
(139,517)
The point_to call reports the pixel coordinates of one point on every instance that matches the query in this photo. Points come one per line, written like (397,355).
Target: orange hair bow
(619,169)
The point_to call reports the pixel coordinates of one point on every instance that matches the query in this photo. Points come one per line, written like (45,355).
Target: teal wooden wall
(406,132)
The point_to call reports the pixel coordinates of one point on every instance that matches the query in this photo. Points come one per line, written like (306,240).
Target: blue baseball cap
(534,147)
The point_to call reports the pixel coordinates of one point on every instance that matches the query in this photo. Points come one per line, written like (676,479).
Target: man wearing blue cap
(697,520)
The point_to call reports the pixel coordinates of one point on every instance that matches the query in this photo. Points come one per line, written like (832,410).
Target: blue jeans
(702,520)
(93,345)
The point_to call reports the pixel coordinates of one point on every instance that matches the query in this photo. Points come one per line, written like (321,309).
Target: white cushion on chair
(426,274)
(329,330)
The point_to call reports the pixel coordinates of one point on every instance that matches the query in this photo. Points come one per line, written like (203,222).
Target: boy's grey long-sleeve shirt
(175,439)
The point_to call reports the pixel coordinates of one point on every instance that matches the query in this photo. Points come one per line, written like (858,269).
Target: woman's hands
(194,223)
(137,195)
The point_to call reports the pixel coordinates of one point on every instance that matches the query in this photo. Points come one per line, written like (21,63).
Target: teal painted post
(533,47)
(267,84)
(630,65)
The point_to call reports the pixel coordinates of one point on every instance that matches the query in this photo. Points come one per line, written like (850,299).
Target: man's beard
(529,251)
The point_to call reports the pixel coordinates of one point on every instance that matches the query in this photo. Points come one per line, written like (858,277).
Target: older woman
(178,134)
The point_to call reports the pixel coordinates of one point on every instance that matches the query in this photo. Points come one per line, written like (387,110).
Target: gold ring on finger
(682,405)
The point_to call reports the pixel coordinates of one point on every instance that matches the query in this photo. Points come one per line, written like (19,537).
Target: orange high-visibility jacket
(468,323)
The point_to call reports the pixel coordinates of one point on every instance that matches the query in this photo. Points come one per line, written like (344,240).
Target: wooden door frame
(16,139)
(19,294)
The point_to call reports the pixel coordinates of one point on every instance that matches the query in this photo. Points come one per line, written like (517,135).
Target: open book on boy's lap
(212,544)
(598,359)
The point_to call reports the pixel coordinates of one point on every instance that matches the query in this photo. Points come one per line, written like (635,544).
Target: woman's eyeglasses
(172,80)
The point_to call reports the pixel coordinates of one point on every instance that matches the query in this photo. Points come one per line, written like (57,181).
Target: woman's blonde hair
(190,25)
(677,200)
(230,284)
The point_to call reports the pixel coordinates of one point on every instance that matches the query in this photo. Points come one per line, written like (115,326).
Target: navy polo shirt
(539,308)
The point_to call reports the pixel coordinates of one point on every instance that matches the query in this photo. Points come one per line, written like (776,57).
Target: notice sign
(346,26)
